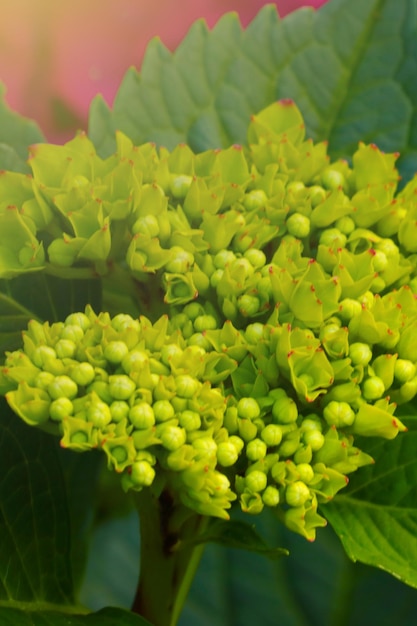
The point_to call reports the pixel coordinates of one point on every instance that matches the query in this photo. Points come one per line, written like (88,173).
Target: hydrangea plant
(232,328)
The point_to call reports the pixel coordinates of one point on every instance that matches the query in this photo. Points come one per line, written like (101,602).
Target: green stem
(168,562)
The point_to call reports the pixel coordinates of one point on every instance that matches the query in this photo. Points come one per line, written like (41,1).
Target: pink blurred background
(56,55)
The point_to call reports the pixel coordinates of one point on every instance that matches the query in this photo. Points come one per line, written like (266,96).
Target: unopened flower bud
(163,410)
(297,493)
(284,410)
(142,415)
(121,386)
(248,408)
(404,370)
(373,388)
(270,496)
(256,449)
(189,420)
(338,414)
(142,473)
(119,410)
(256,481)
(116,351)
(298,225)
(360,353)
(83,373)
(62,387)
(65,348)
(227,454)
(60,409)
(272,435)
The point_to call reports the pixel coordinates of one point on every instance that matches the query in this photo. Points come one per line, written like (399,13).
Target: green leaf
(105,617)
(316,585)
(43,297)
(350,67)
(240,535)
(35,563)
(376,517)
(16,135)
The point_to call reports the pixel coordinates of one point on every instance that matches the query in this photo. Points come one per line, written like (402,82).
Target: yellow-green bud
(227,454)
(256,449)
(62,387)
(115,351)
(270,496)
(297,493)
(121,387)
(248,408)
(163,410)
(256,481)
(142,415)
(60,408)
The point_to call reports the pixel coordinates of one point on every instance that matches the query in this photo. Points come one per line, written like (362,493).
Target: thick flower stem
(167,562)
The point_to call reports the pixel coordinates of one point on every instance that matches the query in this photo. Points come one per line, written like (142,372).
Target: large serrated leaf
(350,67)
(376,519)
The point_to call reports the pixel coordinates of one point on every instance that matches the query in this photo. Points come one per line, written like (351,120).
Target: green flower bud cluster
(288,284)
(125,386)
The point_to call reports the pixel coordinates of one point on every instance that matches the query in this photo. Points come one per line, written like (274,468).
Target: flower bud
(373,388)
(78,319)
(163,410)
(115,351)
(255,199)
(119,410)
(172,437)
(272,435)
(255,257)
(247,429)
(72,332)
(248,408)
(305,472)
(60,409)
(314,439)
(186,386)
(121,387)
(256,481)
(83,373)
(338,414)
(297,493)
(142,474)
(142,415)
(256,450)
(189,420)
(42,354)
(98,412)
(227,454)
(62,387)
(404,370)
(270,496)
(298,225)
(65,348)
(284,411)
(360,353)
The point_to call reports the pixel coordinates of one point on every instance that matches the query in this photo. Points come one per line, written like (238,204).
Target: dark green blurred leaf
(238,534)
(105,617)
(35,548)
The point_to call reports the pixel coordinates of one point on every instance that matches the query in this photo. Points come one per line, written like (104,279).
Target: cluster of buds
(288,289)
